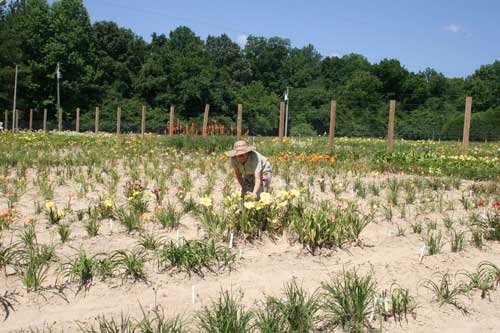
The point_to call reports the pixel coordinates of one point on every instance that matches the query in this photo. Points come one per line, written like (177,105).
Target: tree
(121,54)
(71,45)
(267,58)
(227,57)
(261,109)
(303,66)
(484,86)
(392,75)
(336,71)
(179,73)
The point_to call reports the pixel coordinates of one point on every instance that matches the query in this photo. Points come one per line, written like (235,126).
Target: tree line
(105,65)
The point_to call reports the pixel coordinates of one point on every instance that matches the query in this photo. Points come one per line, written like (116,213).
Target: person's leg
(249,182)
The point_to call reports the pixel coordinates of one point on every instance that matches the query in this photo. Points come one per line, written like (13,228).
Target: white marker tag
(423,250)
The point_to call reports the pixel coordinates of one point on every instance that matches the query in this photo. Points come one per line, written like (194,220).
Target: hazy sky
(454,37)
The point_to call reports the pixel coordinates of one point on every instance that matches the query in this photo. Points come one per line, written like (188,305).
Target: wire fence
(373,123)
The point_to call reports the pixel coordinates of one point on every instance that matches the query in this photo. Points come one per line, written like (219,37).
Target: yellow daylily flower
(249,205)
(206,201)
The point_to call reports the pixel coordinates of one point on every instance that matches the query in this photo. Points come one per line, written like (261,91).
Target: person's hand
(252,194)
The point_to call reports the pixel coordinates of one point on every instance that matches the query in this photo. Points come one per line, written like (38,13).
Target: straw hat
(240,148)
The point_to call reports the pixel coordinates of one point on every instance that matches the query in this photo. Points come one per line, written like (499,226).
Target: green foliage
(302,129)
(225,314)
(446,289)
(296,311)
(194,256)
(348,300)
(105,65)
(131,264)
(82,269)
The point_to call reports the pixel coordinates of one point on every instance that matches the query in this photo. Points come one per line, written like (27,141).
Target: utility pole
(286,113)
(58,76)
(14,106)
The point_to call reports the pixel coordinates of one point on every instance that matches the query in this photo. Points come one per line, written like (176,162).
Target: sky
(455,37)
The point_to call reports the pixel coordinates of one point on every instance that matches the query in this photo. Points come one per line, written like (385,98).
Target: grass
(155,321)
(130,219)
(492,225)
(347,301)
(225,314)
(416,227)
(168,217)
(445,289)
(457,241)
(328,226)
(269,318)
(150,241)
(92,224)
(104,325)
(8,255)
(150,161)
(296,311)
(359,188)
(28,235)
(64,232)
(434,243)
(7,301)
(130,264)
(194,256)
(402,303)
(32,266)
(477,236)
(81,269)
(485,278)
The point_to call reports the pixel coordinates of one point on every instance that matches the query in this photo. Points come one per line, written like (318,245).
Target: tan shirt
(255,163)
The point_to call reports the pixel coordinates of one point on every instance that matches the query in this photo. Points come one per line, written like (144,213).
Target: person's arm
(256,188)
(240,180)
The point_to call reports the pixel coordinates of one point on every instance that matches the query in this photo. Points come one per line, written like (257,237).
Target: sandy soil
(264,269)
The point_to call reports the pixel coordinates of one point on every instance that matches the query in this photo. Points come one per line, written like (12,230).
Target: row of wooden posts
(118,120)
(333,112)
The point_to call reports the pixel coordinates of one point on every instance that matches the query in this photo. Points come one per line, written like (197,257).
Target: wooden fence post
(171,122)
(77,122)
(282,122)
(205,119)
(143,120)
(44,120)
(6,123)
(31,120)
(333,114)
(390,130)
(468,110)
(118,120)
(96,120)
(239,120)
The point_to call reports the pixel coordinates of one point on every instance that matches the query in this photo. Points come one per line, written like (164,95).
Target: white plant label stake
(231,240)
(422,252)
(193,294)
(110,223)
